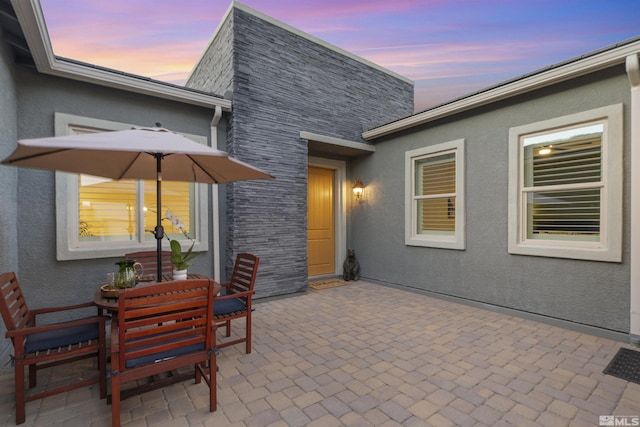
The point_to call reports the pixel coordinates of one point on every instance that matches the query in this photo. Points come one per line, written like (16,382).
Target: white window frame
(68,246)
(609,248)
(412,238)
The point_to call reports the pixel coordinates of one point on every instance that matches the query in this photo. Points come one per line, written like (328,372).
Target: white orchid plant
(179,260)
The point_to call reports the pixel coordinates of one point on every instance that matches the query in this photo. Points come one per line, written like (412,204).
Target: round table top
(111,303)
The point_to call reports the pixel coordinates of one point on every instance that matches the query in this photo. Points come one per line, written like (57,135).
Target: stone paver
(352,356)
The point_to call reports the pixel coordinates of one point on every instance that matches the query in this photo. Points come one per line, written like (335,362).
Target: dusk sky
(449,48)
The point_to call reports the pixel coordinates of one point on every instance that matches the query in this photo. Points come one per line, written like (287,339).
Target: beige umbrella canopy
(140,153)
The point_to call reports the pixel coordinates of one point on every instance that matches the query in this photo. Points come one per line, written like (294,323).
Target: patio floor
(371,355)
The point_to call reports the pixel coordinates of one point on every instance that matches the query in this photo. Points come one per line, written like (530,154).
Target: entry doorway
(320,219)
(326,218)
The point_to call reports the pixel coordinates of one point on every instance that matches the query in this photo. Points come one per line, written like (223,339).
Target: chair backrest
(149,261)
(161,322)
(13,306)
(244,272)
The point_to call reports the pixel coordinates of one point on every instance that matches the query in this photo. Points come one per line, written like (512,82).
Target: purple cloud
(459,45)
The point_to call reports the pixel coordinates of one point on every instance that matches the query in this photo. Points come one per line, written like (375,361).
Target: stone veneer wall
(214,73)
(284,83)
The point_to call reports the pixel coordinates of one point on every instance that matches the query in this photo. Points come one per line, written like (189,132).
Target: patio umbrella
(139,153)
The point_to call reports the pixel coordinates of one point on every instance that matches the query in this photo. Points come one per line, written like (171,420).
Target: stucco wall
(591,293)
(8,178)
(284,83)
(46,281)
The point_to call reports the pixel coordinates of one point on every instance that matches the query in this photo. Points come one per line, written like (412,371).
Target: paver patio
(371,355)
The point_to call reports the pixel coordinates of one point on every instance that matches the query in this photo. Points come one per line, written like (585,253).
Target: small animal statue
(351,267)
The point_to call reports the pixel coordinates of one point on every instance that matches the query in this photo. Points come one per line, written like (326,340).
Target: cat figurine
(351,267)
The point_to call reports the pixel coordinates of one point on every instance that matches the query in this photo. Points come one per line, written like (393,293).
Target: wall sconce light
(358,189)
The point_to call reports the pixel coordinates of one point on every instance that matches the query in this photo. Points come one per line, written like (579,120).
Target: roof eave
(592,63)
(31,18)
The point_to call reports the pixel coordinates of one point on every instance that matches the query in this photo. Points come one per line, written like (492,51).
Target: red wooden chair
(234,301)
(39,347)
(159,328)
(149,261)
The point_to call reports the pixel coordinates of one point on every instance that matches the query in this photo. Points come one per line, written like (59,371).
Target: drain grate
(626,365)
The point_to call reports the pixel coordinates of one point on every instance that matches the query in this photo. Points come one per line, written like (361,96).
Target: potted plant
(179,260)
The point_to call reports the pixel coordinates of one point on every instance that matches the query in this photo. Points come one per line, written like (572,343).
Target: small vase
(180,274)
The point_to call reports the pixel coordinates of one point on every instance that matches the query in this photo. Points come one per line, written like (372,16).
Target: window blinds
(109,210)
(436,194)
(563,187)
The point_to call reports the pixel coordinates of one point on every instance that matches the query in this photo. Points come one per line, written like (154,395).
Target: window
(108,210)
(99,217)
(434,188)
(565,179)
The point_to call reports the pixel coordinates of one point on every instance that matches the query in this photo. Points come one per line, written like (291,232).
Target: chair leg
(102,365)
(248,332)
(115,400)
(33,376)
(20,398)
(228,334)
(198,372)
(213,385)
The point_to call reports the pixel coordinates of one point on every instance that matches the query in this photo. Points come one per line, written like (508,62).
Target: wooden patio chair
(234,301)
(159,328)
(43,346)
(149,261)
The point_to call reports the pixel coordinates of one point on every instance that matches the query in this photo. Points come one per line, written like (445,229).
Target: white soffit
(555,74)
(331,145)
(31,18)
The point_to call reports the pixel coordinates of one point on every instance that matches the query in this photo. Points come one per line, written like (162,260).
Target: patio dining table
(110,303)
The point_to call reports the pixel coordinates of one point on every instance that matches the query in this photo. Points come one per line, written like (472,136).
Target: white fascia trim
(316,40)
(337,141)
(33,24)
(571,70)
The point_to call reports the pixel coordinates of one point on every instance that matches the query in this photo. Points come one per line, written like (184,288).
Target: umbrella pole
(159,230)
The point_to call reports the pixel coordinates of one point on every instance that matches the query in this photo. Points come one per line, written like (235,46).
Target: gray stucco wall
(585,292)
(45,281)
(282,84)
(8,178)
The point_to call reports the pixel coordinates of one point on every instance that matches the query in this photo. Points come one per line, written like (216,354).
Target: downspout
(633,71)
(217,115)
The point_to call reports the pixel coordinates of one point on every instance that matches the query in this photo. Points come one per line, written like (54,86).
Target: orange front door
(321,226)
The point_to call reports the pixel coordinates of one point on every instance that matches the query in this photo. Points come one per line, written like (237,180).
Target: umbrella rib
(196,163)
(133,160)
(34,156)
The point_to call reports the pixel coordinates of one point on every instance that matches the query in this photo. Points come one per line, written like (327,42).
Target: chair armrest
(54,327)
(234,295)
(63,308)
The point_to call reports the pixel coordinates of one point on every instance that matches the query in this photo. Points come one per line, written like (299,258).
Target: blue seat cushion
(228,306)
(61,337)
(157,357)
